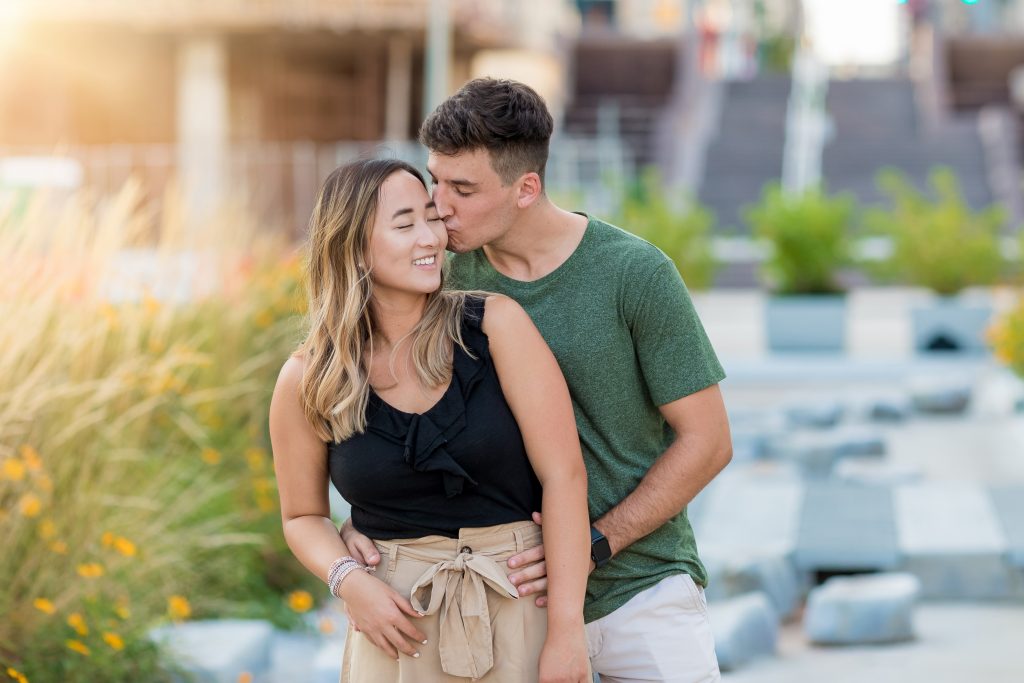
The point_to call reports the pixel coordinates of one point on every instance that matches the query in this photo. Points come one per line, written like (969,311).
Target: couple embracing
(518,431)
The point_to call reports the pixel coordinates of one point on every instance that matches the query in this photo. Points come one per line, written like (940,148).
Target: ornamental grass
(137,359)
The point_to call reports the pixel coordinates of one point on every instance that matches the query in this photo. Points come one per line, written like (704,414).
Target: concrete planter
(951,324)
(806,323)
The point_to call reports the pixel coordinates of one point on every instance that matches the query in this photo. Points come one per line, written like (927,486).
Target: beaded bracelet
(340,568)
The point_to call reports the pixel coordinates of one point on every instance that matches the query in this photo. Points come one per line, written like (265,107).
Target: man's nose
(444,208)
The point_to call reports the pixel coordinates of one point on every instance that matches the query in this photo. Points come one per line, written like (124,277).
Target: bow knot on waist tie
(458,588)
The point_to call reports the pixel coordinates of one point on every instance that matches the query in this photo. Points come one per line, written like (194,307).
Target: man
(641,371)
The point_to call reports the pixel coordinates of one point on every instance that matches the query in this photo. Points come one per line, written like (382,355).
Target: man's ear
(530,189)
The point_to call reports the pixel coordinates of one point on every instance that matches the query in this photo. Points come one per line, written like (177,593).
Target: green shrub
(938,242)
(136,484)
(808,236)
(684,234)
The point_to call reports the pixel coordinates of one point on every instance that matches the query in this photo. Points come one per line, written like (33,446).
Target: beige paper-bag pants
(475,626)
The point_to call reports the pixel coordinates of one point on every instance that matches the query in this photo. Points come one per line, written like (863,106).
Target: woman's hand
(381,614)
(564,658)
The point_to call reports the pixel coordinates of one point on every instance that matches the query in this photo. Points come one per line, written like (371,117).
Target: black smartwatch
(600,551)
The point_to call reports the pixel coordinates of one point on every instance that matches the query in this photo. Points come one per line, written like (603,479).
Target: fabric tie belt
(458,589)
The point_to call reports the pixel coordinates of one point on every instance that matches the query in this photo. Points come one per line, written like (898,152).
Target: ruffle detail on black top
(425,435)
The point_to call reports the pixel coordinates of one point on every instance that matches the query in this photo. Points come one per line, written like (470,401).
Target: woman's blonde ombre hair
(335,383)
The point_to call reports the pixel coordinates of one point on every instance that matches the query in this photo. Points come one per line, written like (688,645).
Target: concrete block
(874,471)
(941,400)
(745,628)
(890,409)
(218,651)
(817,453)
(1008,502)
(873,608)
(327,663)
(815,416)
(291,656)
(749,511)
(952,540)
(737,574)
(846,527)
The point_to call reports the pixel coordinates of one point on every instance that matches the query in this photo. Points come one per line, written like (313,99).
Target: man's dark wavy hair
(507,118)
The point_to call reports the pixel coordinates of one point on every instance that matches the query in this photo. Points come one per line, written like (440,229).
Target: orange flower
(59,547)
(178,607)
(77,622)
(44,605)
(47,529)
(245,677)
(257,459)
(107,539)
(124,546)
(300,601)
(30,505)
(211,456)
(31,458)
(326,626)
(78,646)
(114,641)
(90,570)
(12,469)
(16,675)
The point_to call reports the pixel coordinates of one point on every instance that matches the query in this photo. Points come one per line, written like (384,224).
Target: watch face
(600,550)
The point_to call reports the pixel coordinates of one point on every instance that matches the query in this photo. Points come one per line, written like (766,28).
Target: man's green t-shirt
(620,321)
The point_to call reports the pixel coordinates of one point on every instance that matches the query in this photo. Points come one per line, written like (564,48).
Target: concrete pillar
(438,57)
(399,94)
(202,122)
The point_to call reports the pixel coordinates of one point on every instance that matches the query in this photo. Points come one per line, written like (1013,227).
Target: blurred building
(254,93)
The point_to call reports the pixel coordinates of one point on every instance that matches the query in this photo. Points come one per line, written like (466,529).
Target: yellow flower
(59,547)
(44,605)
(90,570)
(47,529)
(77,622)
(265,503)
(263,485)
(107,539)
(122,610)
(29,505)
(300,601)
(124,546)
(12,469)
(178,607)
(264,319)
(211,456)
(110,315)
(78,646)
(257,459)
(244,677)
(44,483)
(31,458)
(16,675)
(114,641)
(326,626)
(150,304)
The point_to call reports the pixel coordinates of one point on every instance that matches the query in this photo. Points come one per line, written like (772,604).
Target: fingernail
(422,614)
(513,563)
(374,558)
(417,654)
(424,642)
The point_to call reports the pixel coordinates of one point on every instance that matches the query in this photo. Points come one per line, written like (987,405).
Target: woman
(444,420)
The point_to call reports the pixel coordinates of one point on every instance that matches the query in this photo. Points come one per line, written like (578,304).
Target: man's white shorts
(662,634)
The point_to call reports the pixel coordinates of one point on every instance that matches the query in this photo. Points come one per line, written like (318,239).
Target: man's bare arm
(701,449)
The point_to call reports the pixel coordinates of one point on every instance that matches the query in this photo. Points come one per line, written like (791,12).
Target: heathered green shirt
(621,323)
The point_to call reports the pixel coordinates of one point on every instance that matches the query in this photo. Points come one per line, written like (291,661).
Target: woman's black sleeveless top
(462,463)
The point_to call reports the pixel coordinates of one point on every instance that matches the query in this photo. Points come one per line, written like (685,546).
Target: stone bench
(218,651)
(869,608)
(745,628)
